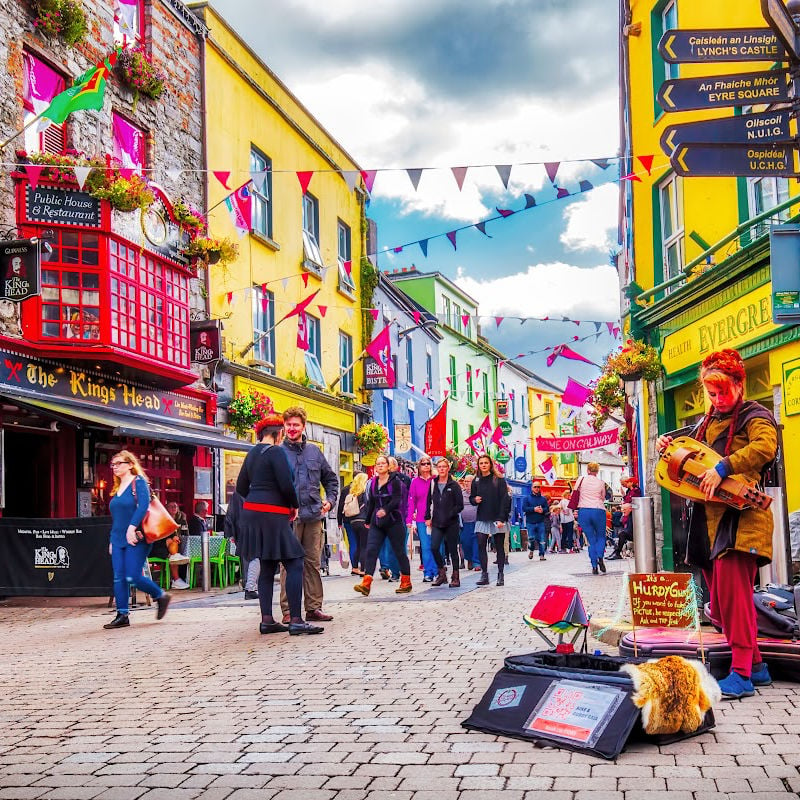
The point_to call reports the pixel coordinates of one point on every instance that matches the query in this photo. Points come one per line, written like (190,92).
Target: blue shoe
(735,687)
(761,677)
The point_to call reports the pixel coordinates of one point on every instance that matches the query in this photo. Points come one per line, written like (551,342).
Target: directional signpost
(750,129)
(714,160)
(779,19)
(726,44)
(747,88)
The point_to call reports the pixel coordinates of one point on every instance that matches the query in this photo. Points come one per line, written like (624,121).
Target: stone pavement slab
(201,705)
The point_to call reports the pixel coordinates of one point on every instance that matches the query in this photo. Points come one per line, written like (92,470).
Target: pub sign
(19,269)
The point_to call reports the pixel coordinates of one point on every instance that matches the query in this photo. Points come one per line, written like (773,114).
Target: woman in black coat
(490,494)
(445,503)
(264,525)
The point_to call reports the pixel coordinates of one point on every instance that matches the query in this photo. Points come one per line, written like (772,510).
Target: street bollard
(206,563)
(779,570)
(644,535)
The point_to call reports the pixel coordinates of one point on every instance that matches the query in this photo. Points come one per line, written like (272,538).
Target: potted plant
(124,194)
(212,250)
(64,18)
(635,361)
(59,167)
(137,70)
(608,395)
(246,409)
(189,218)
(372,437)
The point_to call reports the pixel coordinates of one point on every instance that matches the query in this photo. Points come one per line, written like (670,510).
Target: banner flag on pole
(302,331)
(548,470)
(575,394)
(436,432)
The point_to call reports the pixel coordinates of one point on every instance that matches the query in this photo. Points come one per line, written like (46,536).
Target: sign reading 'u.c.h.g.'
(734,325)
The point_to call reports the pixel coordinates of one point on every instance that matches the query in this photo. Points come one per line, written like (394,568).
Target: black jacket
(444,507)
(495,505)
(529,504)
(388,497)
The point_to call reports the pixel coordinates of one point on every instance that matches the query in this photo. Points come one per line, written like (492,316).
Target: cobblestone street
(202,706)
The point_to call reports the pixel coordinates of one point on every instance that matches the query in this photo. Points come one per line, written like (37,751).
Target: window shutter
(54,139)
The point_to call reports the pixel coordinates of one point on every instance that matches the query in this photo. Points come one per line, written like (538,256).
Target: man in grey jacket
(311,470)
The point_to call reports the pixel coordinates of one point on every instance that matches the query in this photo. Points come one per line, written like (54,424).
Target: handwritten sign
(661,600)
(575,712)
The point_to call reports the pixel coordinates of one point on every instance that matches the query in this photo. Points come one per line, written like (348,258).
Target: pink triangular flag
(305,176)
(223,177)
(477,371)
(451,235)
(632,176)
(551,168)
(229,297)
(459,173)
(538,396)
(374,312)
(348,267)
(504,212)
(323,310)
(264,287)
(477,395)
(498,320)
(610,326)
(647,162)
(465,320)
(33,172)
(411,386)
(264,303)
(304,276)
(369,178)
(417,316)
(561,193)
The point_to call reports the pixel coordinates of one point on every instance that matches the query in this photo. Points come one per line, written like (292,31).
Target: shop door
(28,474)
(330,448)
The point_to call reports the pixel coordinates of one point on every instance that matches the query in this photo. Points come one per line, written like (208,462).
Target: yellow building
(545,411)
(300,242)
(695,266)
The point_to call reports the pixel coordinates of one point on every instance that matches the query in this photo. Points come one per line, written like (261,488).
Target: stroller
(325,554)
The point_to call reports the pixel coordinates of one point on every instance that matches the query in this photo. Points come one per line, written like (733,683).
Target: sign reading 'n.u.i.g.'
(19,269)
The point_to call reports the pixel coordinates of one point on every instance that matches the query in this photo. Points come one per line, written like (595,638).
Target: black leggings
(450,537)
(396,535)
(360,530)
(499,546)
(567,530)
(294,585)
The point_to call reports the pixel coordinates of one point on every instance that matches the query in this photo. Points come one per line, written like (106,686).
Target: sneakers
(179,558)
(179,583)
(735,687)
(542,558)
(530,555)
(248,595)
(761,677)
(162,604)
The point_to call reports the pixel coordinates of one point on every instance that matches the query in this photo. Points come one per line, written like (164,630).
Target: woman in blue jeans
(415,516)
(592,514)
(129,503)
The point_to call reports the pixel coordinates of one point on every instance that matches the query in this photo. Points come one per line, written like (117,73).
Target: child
(555,528)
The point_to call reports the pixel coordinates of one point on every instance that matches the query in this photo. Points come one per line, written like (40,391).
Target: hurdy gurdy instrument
(683,462)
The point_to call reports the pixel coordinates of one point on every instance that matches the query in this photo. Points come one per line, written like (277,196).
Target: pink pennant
(448,379)
(610,326)
(229,297)
(477,395)
(369,178)
(498,320)
(504,212)
(451,235)
(465,320)
(459,173)
(469,374)
(417,316)
(304,276)
(348,267)
(561,193)
(575,338)
(576,321)
(552,170)
(223,177)
(500,364)
(323,310)
(538,396)
(265,304)
(305,177)
(263,288)
(374,313)
(646,162)
(477,371)
(397,249)
(411,386)
(631,177)
(33,172)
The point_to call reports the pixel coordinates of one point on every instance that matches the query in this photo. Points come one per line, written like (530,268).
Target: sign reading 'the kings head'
(19,269)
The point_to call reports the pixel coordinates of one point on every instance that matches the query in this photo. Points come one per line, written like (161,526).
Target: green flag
(87,92)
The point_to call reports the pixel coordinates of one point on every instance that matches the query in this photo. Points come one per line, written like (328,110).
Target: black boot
(500,579)
(484,581)
(601,564)
(120,621)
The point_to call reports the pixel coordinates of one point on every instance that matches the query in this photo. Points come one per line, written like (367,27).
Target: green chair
(163,571)
(234,563)
(217,548)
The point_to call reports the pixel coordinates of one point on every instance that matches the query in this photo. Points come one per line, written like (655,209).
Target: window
(409,360)
(454,432)
(344,256)
(470,395)
(413,424)
(670,194)
(447,311)
(513,397)
(429,368)
(128,143)
(486,392)
(764,194)
(524,405)
(41,84)
(314,337)
(263,324)
(549,419)
(453,376)
(669,21)
(312,256)
(456,323)
(346,362)
(261,193)
(128,21)
(388,420)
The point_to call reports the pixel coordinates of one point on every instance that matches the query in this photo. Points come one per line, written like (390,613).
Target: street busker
(490,494)
(537,518)
(445,503)
(734,543)
(592,514)
(385,518)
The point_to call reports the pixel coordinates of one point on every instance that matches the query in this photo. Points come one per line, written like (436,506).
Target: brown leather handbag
(157,523)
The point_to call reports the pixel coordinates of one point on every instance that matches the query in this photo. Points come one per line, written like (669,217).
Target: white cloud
(548,290)
(592,221)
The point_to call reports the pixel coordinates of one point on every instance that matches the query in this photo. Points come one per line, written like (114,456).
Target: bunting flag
(610,326)
(348,267)
(452,237)
(33,171)
(565,352)
(414,175)
(88,91)
(504,171)
(646,162)
(600,162)
(323,310)
(423,245)
(223,176)
(229,297)
(436,432)
(459,173)
(530,201)
(301,306)
(505,212)
(302,331)
(304,277)
(498,320)
(561,193)
(585,186)
(547,468)
(374,313)
(499,440)
(81,174)
(552,170)
(126,13)
(477,371)
(369,178)
(575,394)
(631,176)
(265,303)
(305,176)
(465,319)
(481,226)
(417,316)
(350,178)
(259,178)
(380,349)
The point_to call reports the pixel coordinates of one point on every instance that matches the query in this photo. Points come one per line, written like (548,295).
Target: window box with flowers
(245,410)
(63,18)
(124,194)
(137,70)
(210,250)
(59,167)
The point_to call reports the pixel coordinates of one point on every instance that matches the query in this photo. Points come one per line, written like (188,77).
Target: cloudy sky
(440,83)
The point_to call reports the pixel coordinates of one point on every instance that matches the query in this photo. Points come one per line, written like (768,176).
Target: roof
(439,276)
(410,306)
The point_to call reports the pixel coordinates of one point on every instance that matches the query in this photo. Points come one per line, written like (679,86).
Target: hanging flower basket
(63,18)
(211,250)
(245,410)
(124,194)
(137,70)
(635,361)
(189,218)
(372,437)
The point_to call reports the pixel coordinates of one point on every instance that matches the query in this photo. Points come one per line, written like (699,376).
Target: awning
(125,425)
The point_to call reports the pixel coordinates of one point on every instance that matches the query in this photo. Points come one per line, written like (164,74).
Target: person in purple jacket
(417,501)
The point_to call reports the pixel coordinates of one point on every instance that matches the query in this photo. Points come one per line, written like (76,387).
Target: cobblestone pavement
(201,706)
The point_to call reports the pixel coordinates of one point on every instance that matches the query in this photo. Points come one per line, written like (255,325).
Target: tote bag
(575,497)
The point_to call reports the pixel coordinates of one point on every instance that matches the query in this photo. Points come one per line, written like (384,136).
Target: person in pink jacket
(417,502)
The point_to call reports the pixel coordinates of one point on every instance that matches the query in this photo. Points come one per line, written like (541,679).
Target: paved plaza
(201,706)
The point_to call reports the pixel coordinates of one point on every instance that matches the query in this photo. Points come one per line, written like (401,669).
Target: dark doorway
(27,463)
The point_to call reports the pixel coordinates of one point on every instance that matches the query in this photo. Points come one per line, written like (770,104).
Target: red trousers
(730,586)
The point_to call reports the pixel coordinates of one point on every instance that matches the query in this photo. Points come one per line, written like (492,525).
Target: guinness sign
(205,341)
(19,269)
